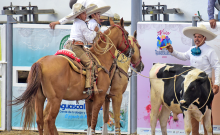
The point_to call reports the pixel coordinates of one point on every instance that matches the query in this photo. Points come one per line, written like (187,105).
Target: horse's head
(136,58)
(122,42)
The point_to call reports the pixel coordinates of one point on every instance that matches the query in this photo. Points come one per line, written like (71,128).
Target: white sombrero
(100,10)
(78,9)
(190,31)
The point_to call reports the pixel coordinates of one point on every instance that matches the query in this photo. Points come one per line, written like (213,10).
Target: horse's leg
(163,117)
(46,128)
(45,114)
(54,108)
(116,104)
(39,106)
(89,115)
(103,84)
(155,105)
(105,117)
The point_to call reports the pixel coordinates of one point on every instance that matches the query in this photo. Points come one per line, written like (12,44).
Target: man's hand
(96,29)
(169,48)
(215,89)
(53,24)
(212,23)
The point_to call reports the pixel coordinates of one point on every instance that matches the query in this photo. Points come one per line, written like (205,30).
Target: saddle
(75,63)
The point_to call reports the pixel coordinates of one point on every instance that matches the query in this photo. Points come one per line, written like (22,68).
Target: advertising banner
(30,43)
(150,36)
(2,77)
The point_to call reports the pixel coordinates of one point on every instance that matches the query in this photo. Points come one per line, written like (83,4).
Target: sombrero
(190,31)
(100,10)
(78,9)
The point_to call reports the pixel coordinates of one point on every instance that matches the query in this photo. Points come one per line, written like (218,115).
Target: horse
(53,78)
(118,87)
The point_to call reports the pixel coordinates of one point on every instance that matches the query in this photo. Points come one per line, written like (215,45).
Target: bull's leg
(39,104)
(163,117)
(89,115)
(105,117)
(54,108)
(155,105)
(187,122)
(207,121)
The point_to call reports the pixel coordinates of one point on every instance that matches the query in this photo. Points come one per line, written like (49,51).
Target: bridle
(126,42)
(134,65)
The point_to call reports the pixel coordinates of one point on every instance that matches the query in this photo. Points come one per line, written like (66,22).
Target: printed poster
(152,50)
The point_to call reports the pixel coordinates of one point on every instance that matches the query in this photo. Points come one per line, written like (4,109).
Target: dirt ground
(33,133)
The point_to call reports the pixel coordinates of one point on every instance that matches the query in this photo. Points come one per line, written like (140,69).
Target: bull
(192,96)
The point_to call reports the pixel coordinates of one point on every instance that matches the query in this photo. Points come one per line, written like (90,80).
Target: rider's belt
(77,42)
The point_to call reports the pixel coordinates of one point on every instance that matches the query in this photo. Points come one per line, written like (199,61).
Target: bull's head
(193,89)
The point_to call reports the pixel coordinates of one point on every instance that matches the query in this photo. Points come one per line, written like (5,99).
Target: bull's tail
(28,97)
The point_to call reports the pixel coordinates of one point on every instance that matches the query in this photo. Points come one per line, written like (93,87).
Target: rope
(175,87)
(104,50)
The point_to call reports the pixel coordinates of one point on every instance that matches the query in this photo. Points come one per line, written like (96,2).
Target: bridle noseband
(126,42)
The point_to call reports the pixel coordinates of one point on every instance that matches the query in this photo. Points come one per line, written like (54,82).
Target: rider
(94,17)
(80,34)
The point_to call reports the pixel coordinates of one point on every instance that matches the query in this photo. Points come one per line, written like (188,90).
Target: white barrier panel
(30,43)
(148,33)
(2,76)
(215,104)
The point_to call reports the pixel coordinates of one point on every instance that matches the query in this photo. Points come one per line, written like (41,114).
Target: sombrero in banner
(190,31)
(78,9)
(100,10)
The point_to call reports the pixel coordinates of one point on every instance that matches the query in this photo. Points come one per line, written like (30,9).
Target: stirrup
(96,90)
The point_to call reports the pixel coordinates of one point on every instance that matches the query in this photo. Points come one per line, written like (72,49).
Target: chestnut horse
(53,78)
(118,87)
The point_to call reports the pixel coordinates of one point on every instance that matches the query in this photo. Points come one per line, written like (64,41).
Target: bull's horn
(183,76)
(182,101)
(201,77)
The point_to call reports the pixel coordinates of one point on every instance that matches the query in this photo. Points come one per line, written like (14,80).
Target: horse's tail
(28,97)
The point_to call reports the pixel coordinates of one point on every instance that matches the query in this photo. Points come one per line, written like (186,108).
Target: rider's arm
(182,56)
(88,34)
(65,19)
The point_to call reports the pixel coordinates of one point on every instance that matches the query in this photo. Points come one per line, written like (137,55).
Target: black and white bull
(192,90)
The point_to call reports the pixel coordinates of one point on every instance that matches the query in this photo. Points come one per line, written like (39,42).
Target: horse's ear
(111,22)
(122,22)
(135,34)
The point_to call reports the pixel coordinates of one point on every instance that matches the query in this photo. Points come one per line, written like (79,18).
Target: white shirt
(207,60)
(80,32)
(92,24)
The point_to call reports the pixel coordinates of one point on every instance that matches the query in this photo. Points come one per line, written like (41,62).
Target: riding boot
(195,126)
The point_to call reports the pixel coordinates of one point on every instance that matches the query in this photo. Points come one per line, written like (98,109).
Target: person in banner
(202,57)
(79,36)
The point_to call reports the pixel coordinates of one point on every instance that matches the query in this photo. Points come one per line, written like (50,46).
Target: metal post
(9,42)
(194,23)
(165,17)
(135,17)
